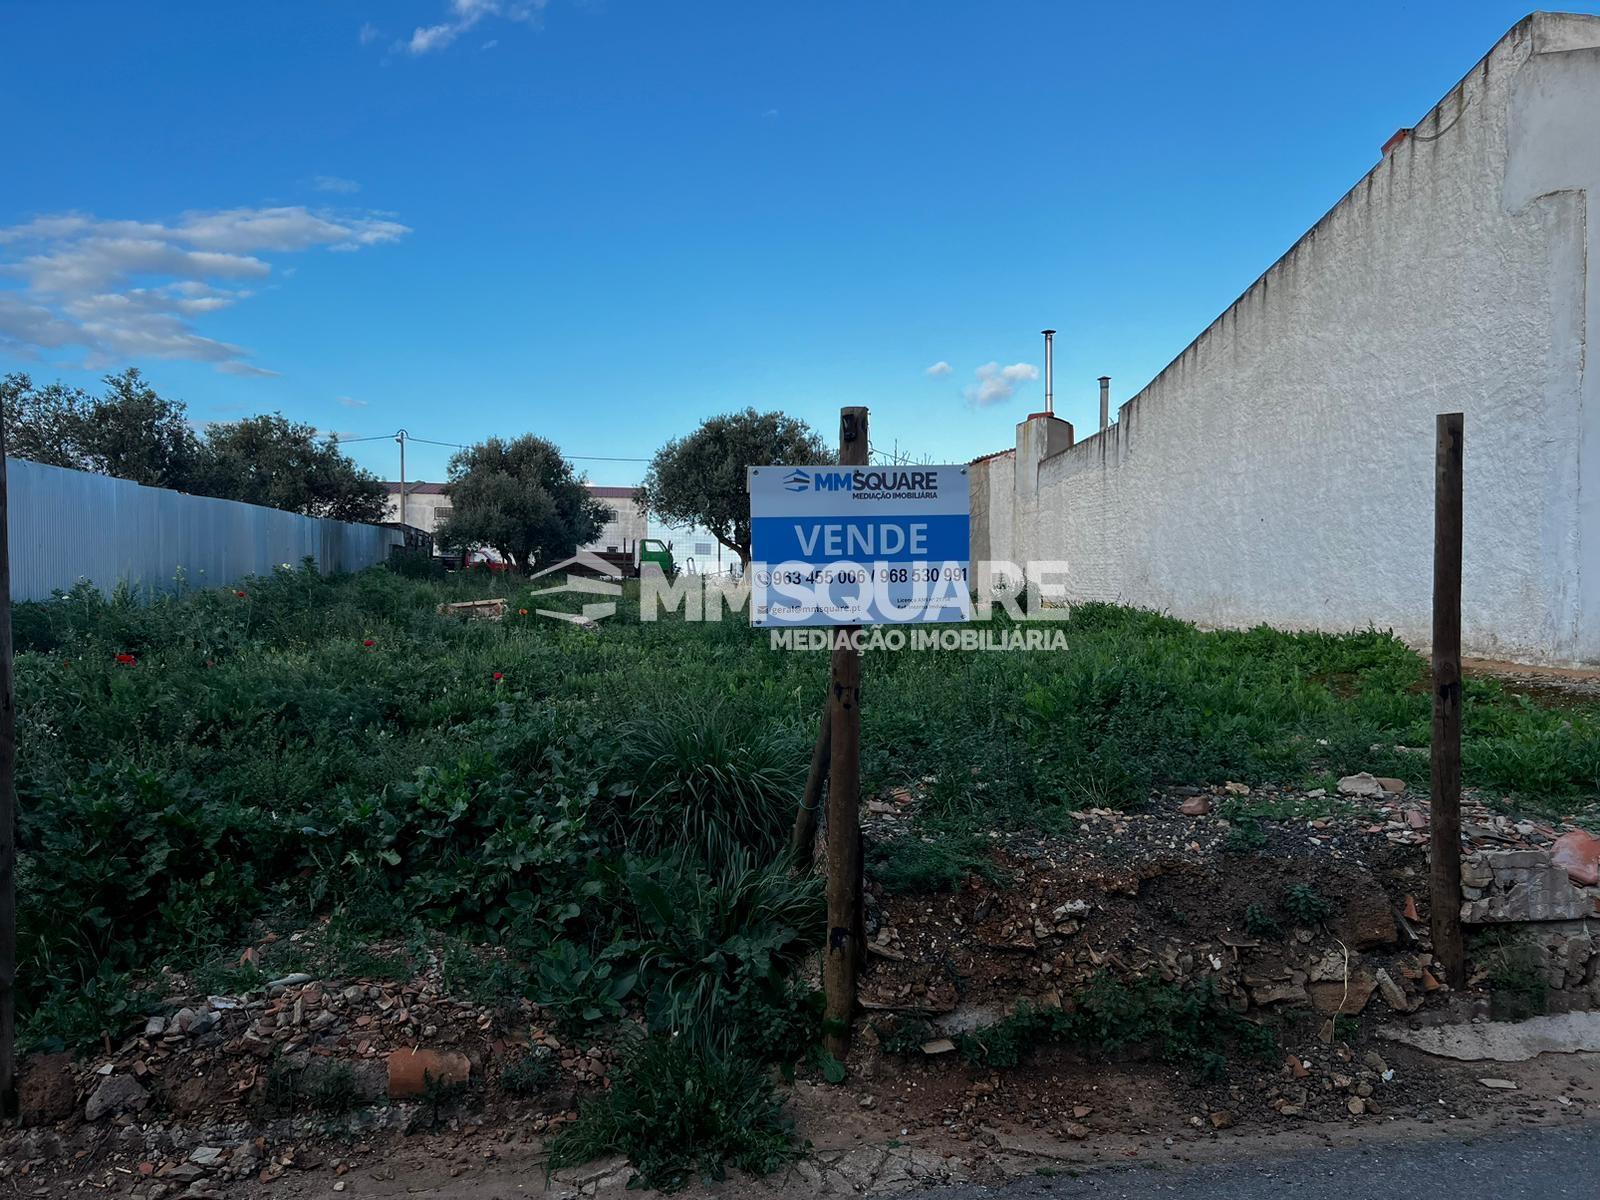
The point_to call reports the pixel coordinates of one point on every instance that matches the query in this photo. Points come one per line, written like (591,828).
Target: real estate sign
(833,545)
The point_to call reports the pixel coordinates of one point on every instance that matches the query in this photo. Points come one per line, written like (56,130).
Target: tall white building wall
(1281,469)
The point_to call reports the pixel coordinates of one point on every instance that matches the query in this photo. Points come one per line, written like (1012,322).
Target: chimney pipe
(1105,401)
(1049,371)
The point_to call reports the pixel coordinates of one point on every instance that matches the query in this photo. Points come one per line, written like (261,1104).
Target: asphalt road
(1547,1163)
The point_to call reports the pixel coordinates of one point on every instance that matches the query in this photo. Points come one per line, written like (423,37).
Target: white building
(427,507)
(426,504)
(1281,469)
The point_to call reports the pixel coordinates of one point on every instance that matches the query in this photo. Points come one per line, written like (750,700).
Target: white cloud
(368,34)
(938,369)
(332,183)
(996,384)
(126,290)
(467,14)
(352,402)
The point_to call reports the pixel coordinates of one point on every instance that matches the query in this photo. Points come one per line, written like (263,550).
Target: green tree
(43,423)
(279,463)
(522,499)
(700,479)
(131,431)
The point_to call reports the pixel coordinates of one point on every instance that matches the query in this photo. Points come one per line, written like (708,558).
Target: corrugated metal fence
(72,525)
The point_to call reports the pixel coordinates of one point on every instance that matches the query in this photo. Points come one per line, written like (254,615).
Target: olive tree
(699,479)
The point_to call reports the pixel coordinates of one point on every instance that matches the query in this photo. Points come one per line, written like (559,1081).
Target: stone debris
(1364,784)
(1504,1085)
(115,1094)
(1577,852)
(1506,886)
(1503,1041)
(1393,994)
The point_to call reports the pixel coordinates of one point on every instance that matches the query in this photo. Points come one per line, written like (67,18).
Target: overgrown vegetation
(1519,974)
(919,865)
(677,1113)
(1188,1025)
(592,820)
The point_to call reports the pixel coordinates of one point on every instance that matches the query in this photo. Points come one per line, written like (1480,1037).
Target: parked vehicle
(647,554)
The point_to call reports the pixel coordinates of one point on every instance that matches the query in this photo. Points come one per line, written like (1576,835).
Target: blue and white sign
(835,545)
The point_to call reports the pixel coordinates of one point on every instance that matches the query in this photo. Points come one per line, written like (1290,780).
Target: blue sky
(604,220)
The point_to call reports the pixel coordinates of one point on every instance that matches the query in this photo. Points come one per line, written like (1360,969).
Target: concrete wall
(1281,468)
(67,526)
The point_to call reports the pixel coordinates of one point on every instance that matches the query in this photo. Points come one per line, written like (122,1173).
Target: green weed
(921,865)
(530,1073)
(1305,904)
(1260,923)
(677,1111)
(1185,1025)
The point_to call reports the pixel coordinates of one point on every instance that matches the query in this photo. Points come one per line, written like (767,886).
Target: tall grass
(316,743)
(706,779)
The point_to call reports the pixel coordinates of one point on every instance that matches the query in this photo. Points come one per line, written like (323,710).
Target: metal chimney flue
(1105,401)
(1049,371)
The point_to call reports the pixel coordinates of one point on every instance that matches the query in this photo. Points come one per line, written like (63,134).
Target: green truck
(647,554)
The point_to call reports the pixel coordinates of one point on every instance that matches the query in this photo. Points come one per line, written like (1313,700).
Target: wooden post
(843,952)
(8,816)
(805,821)
(1444,893)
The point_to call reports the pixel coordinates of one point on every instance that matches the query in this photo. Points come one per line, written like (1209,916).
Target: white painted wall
(1281,468)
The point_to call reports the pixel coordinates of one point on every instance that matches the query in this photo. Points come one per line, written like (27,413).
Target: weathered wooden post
(1445,847)
(8,815)
(843,952)
(805,821)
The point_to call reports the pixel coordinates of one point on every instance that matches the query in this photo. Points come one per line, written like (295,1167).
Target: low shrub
(912,865)
(713,946)
(1305,904)
(530,1073)
(1191,1025)
(678,1110)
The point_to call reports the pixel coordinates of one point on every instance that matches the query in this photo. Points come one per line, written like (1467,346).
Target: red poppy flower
(522,612)
(498,677)
(369,642)
(126,660)
(240,595)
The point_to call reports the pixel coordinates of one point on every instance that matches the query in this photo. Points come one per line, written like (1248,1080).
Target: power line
(389,437)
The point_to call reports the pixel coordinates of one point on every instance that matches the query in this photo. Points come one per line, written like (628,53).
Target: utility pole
(8,816)
(1444,881)
(401,438)
(846,944)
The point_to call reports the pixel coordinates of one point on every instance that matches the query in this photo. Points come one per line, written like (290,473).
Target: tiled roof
(987,457)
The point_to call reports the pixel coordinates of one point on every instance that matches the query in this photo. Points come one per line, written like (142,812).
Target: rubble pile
(221,1087)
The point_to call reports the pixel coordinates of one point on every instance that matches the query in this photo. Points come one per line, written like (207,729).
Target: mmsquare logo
(582,568)
(797,481)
